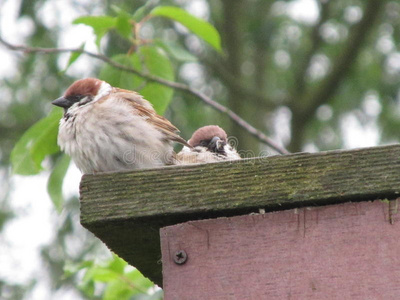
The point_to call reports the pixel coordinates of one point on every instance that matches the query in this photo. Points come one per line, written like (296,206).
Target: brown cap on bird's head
(78,90)
(207,133)
(87,86)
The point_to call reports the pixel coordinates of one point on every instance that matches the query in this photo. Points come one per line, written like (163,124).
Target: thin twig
(176,85)
(237,86)
(305,104)
(345,60)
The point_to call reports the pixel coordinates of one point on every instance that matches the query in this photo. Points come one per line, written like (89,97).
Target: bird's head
(212,137)
(82,92)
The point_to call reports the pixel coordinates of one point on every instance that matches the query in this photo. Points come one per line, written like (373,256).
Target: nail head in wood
(180,257)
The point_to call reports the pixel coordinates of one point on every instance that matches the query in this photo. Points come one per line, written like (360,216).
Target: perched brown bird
(208,144)
(105,129)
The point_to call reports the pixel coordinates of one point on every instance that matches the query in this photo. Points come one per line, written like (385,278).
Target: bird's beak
(62,102)
(220,144)
(215,144)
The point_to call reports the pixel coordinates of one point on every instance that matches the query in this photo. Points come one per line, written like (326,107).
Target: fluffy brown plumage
(105,129)
(208,144)
(206,133)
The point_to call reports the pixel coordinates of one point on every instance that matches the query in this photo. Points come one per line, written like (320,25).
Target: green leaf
(149,59)
(141,282)
(139,13)
(100,24)
(156,63)
(117,289)
(176,51)
(87,284)
(88,289)
(88,277)
(103,274)
(73,57)
(73,268)
(123,24)
(142,11)
(55,182)
(117,264)
(116,77)
(198,26)
(36,143)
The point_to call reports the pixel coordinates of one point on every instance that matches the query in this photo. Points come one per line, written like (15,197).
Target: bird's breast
(105,140)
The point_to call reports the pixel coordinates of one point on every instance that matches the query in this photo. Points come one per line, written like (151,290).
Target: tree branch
(179,86)
(316,40)
(236,85)
(343,64)
(306,106)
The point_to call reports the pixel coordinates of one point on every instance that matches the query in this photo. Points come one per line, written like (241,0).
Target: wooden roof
(126,210)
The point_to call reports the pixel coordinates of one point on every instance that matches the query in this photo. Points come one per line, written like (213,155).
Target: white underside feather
(107,136)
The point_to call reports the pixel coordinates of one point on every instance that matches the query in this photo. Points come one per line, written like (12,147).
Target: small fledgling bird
(208,144)
(106,129)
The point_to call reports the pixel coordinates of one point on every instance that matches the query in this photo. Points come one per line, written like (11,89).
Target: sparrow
(207,144)
(107,129)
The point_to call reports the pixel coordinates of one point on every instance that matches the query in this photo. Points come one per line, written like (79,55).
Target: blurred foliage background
(313,75)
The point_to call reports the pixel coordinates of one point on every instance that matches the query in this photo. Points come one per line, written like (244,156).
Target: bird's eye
(204,143)
(75,98)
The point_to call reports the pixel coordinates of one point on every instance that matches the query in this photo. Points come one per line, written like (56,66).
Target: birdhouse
(300,226)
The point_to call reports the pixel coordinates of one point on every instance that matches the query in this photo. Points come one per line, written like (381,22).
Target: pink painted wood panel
(345,251)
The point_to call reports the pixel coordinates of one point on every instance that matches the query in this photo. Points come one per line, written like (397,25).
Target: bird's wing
(145,109)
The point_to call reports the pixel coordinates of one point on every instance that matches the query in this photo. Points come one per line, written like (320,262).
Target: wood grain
(126,210)
(343,251)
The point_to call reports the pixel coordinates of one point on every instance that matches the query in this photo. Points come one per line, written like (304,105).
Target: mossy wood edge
(126,210)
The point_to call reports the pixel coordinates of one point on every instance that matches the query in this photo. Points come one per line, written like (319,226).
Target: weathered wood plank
(342,251)
(126,210)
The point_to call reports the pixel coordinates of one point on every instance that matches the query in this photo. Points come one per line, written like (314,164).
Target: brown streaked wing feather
(167,128)
(144,108)
(134,97)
